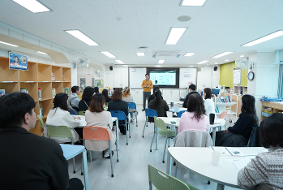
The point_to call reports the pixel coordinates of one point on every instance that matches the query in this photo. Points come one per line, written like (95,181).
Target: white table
(176,110)
(198,160)
(217,123)
(83,124)
(70,151)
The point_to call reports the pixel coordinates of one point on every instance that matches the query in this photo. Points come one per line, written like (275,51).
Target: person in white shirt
(208,102)
(59,115)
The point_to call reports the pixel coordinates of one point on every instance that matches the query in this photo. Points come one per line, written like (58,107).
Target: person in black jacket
(118,104)
(86,98)
(152,95)
(105,94)
(239,134)
(192,89)
(28,161)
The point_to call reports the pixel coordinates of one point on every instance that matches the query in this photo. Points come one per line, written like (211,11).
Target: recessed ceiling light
(242,56)
(108,54)
(81,36)
(119,61)
(189,54)
(265,38)
(174,35)
(161,61)
(192,2)
(41,52)
(8,44)
(32,5)
(205,61)
(222,54)
(140,54)
(216,63)
(226,60)
(158,65)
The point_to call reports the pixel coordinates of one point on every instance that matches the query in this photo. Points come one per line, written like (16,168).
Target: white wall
(207,77)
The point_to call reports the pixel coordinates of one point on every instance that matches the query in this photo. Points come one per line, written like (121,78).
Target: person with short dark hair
(106,96)
(59,115)
(74,100)
(96,90)
(86,98)
(97,117)
(208,102)
(195,118)
(192,89)
(239,134)
(118,104)
(159,105)
(265,171)
(28,161)
(147,86)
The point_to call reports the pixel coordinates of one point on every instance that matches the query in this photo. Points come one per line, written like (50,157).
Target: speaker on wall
(215,68)
(111,68)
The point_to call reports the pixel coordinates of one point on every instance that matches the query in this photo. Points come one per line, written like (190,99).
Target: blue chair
(148,113)
(73,112)
(122,116)
(180,113)
(133,110)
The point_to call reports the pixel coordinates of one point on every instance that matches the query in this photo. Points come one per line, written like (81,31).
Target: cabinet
(38,76)
(270,107)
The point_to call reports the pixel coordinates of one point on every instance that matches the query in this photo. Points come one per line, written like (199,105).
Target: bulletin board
(136,76)
(187,76)
(237,76)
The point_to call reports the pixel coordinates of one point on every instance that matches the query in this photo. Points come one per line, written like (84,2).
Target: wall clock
(251,76)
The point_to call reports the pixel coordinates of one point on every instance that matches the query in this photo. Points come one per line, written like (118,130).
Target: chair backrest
(193,139)
(41,121)
(160,123)
(81,112)
(119,114)
(132,105)
(72,112)
(60,131)
(106,104)
(180,113)
(150,113)
(96,134)
(164,181)
(254,138)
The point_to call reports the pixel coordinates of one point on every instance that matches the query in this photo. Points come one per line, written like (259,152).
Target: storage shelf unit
(37,76)
(275,108)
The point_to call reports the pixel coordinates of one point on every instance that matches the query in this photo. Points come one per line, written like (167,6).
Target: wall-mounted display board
(187,76)
(237,76)
(136,76)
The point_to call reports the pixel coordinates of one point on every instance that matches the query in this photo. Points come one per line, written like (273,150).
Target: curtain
(280,82)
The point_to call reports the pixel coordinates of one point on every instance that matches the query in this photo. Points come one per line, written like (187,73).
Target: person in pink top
(195,119)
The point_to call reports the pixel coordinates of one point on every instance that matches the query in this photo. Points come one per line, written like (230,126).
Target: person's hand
(77,118)
(144,85)
(226,131)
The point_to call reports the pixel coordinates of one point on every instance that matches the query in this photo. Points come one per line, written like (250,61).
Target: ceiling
(122,26)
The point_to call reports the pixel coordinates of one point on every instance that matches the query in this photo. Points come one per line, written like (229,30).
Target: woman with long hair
(239,134)
(96,90)
(59,115)
(105,94)
(195,118)
(159,105)
(127,97)
(208,102)
(86,98)
(152,95)
(97,117)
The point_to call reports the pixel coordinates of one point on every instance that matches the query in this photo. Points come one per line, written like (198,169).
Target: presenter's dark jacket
(160,109)
(31,162)
(187,98)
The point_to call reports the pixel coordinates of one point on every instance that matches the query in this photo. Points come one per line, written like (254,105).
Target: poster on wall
(99,83)
(18,62)
(237,76)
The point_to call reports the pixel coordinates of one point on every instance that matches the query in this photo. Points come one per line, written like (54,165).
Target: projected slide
(163,77)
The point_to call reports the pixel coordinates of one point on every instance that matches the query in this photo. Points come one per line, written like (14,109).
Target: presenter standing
(146,85)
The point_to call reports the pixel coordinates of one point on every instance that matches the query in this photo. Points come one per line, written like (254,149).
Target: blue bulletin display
(18,62)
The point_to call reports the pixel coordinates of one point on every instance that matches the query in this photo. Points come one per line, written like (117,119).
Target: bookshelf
(270,107)
(37,76)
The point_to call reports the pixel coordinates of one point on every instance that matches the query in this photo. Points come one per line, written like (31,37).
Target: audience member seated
(208,102)
(195,119)
(265,171)
(74,100)
(97,117)
(28,161)
(118,104)
(151,97)
(59,115)
(127,97)
(86,98)
(105,94)
(192,89)
(96,90)
(239,134)
(159,105)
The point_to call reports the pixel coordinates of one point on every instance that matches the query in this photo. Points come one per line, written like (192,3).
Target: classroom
(199,84)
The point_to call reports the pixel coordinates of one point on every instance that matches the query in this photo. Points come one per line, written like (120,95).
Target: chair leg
(176,170)
(152,141)
(164,150)
(129,124)
(144,128)
(157,137)
(110,153)
(117,152)
(136,119)
(74,162)
(90,155)
(82,169)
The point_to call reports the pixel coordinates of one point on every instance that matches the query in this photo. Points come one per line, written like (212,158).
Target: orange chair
(99,134)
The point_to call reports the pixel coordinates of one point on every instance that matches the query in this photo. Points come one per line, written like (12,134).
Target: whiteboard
(187,76)
(237,76)
(137,75)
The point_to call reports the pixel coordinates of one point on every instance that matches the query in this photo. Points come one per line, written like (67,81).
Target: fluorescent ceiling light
(8,44)
(161,61)
(242,56)
(41,52)
(140,54)
(78,34)
(32,5)
(108,54)
(265,38)
(193,2)
(202,62)
(226,60)
(158,65)
(222,54)
(174,35)
(189,54)
(216,63)
(119,61)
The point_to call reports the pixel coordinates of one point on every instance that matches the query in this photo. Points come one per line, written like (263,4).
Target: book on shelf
(53,92)
(2,92)
(52,76)
(25,90)
(40,109)
(66,90)
(40,93)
